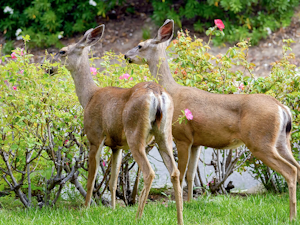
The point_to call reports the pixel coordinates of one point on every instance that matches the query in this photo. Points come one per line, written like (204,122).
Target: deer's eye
(139,46)
(62,52)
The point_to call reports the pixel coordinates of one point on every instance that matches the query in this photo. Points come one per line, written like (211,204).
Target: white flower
(8,9)
(19,37)
(268,30)
(92,2)
(18,32)
(60,35)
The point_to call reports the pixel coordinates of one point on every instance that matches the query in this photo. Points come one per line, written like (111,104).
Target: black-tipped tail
(158,116)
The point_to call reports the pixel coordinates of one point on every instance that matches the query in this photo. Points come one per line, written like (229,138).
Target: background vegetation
(43,148)
(46,21)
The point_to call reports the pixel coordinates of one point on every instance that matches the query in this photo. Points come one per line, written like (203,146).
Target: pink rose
(219,24)
(93,70)
(124,76)
(188,114)
(13,55)
(21,71)
(242,86)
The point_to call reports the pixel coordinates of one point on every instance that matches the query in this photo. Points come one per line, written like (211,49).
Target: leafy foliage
(42,141)
(41,127)
(243,18)
(46,21)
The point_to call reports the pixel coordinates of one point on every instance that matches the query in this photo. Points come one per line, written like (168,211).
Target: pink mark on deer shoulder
(188,114)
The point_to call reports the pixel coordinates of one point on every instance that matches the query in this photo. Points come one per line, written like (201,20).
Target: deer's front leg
(115,168)
(192,168)
(183,148)
(94,157)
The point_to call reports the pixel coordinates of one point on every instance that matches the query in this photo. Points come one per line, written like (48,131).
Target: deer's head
(75,56)
(149,49)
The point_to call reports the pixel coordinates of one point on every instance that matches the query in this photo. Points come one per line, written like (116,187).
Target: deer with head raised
(122,119)
(221,121)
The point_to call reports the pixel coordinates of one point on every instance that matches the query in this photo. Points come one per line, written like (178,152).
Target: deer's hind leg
(137,148)
(270,156)
(164,141)
(284,149)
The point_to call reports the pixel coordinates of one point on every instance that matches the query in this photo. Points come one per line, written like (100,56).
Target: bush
(243,18)
(46,21)
(43,147)
(42,143)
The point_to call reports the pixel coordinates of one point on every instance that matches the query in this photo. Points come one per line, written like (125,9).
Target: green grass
(254,209)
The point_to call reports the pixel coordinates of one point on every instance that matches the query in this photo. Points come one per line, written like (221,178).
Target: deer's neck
(84,83)
(160,70)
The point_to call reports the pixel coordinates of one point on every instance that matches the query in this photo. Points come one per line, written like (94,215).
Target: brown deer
(122,119)
(221,121)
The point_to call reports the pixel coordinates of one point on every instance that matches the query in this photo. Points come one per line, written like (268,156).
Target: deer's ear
(95,35)
(92,36)
(165,32)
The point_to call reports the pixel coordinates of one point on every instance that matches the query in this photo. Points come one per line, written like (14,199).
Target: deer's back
(110,107)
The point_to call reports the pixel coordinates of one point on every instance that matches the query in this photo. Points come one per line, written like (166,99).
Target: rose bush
(42,143)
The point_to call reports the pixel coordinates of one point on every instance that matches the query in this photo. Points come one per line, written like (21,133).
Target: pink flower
(242,86)
(21,53)
(0,61)
(6,82)
(188,114)
(130,78)
(13,55)
(145,77)
(93,70)
(66,141)
(14,87)
(75,117)
(21,71)
(124,76)
(219,24)
(103,163)
(211,182)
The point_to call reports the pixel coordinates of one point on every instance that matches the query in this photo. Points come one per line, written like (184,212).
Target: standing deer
(122,119)
(221,121)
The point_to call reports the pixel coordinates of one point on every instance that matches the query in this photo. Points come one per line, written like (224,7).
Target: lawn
(253,209)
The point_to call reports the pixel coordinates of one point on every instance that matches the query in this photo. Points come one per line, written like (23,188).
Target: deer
(221,121)
(122,119)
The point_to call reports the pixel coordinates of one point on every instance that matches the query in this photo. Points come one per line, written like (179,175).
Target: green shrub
(46,21)
(242,18)
(41,125)
(41,119)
